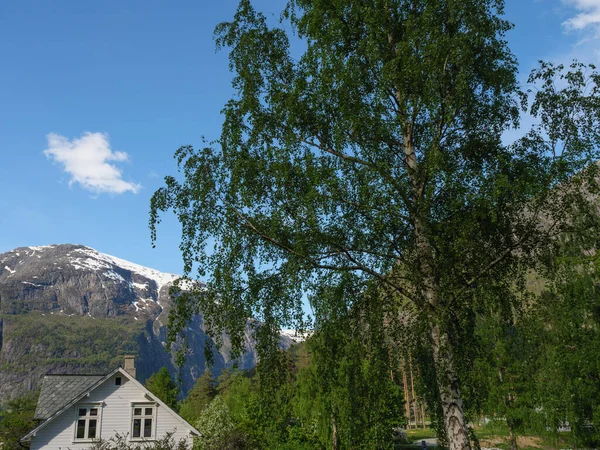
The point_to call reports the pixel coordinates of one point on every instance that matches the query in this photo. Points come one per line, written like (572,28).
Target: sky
(95,98)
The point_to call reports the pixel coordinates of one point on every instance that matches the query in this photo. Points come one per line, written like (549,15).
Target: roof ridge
(75,374)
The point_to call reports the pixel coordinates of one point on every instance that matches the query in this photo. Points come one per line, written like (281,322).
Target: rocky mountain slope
(71,309)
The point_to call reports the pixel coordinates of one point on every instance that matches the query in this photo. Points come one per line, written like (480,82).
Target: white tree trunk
(452,407)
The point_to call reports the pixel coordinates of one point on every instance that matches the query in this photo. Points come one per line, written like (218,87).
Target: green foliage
(568,380)
(507,371)
(294,399)
(218,429)
(16,420)
(346,397)
(199,397)
(376,156)
(120,442)
(261,405)
(162,385)
(99,345)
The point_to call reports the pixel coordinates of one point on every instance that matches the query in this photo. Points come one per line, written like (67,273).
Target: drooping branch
(315,263)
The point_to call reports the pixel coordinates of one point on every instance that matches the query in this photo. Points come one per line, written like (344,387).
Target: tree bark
(414,397)
(447,378)
(335,445)
(452,407)
(513,437)
(406,395)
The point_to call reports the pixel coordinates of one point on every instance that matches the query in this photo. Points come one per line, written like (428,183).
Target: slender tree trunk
(452,407)
(414,397)
(406,395)
(513,437)
(447,378)
(335,445)
(423,414)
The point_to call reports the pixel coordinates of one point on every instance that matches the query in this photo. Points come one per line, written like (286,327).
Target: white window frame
(87,418)
(142,417)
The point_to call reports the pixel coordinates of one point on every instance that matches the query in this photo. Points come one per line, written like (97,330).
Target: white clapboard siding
(116,418)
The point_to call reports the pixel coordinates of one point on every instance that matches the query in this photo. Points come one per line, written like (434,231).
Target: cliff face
(71,309)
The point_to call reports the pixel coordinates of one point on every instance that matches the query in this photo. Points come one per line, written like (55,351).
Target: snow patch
(10,270)
(40,248)
(114,276)
(32,284)
(142,286)
(294,335)
(95,260)
(89,263)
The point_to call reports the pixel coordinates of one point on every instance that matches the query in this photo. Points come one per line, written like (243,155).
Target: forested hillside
(71,309)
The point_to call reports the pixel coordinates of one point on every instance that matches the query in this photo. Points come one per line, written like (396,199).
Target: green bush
(119,442)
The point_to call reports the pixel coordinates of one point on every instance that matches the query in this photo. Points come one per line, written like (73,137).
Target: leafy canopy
(382,137)
(375,160)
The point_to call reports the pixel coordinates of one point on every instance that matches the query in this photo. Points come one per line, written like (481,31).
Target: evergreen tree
(162,385)
(199,397)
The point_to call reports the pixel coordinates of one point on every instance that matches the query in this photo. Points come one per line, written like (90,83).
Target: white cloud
(88,161)
(588,14)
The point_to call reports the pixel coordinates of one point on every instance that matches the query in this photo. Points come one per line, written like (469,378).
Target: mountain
(71,309)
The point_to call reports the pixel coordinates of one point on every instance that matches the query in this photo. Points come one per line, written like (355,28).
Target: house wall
(116,418)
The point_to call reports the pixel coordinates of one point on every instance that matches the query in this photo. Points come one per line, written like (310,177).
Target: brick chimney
(130,365)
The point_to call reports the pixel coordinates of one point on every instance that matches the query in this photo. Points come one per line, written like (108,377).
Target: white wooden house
(76,410)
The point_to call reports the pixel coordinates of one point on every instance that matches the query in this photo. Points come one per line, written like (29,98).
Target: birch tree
(363,143)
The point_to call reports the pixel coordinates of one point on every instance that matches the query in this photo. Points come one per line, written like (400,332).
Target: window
(87,423)
(143,422)
(118,381)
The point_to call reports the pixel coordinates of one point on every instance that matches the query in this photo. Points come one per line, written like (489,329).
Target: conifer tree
(162,385)
(199,397)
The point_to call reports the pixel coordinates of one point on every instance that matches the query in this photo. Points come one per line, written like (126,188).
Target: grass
(416,435)
(420,433)
(495,434)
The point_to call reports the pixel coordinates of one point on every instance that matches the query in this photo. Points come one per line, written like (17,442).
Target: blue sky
(95,97)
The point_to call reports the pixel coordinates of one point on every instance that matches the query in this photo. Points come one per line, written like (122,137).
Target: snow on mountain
(133,289)
(294,335)
(49,287)
(93,259)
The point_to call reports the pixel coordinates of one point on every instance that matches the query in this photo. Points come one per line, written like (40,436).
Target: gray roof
(58,390)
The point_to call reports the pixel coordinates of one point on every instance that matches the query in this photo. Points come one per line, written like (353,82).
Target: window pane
(92,429)
(148,412)
(137,424)
(94,412)
(137,411)
(80,429)
(82,411)
(147,427)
